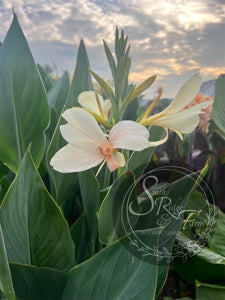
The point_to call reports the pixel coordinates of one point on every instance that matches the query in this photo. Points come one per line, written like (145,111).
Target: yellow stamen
(99,119)
(102,164)
(153,104)
(99,106)
(148,121)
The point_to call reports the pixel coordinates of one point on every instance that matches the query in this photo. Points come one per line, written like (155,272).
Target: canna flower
(174,117)
(94,104)
(205,117)
(88,146)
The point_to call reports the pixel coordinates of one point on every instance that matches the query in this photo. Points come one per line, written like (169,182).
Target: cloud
(167,37)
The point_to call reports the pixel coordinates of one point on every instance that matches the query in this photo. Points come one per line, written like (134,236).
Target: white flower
(174,117)
(94,103)
(88,146)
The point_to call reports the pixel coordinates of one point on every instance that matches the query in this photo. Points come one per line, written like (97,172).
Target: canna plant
(63,183)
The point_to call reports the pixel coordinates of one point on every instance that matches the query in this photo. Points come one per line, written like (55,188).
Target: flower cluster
(88,145)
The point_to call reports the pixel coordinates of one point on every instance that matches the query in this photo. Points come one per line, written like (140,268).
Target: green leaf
(110,58)
(56,99)
(4,185)
(3,170)
(219,103)
(104,85)
(112,274)
(24,113)
(162,276)
(31,282)
(207,266)
(209,291)
(131,111)
(34,228)
(113,215)
(140,159)
(215,239)
(117,192)
(78,235)
(89,189)
(58,93)
(63,185)
(123,68)
(217,243)
(6,285)
(81,78)
(183,298)
(144,86)
(51,129)
(216,140)
(47,82)
(137,91)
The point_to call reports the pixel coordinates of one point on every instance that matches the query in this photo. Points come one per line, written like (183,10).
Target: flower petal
(74,159)
(129,135)
(82,127)
(88,101)
(186,94)
(116,161)
(184,121)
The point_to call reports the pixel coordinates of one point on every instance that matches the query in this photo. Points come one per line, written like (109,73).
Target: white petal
(88,101)
(116,161)
(184,121)
(73,159)
(186,94)
(129,135)
(82,127)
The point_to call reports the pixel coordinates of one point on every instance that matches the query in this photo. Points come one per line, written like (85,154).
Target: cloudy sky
(171,38)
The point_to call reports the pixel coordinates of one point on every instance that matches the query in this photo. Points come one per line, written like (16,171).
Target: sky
(173,39)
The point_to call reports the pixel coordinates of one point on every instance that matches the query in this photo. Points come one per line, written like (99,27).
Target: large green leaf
(89,189)
(81,78)
(219,103)
(47,82)
(31,282)
(209,264)
(113,273)
(24,113)
(77,231)
(56,100)
(206,266)
(123,192)
(34,228)
(64,184)
(217,243)
(110,217)
(57,95)
(4,182)
(209,291)
(6,285)
(108,209)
